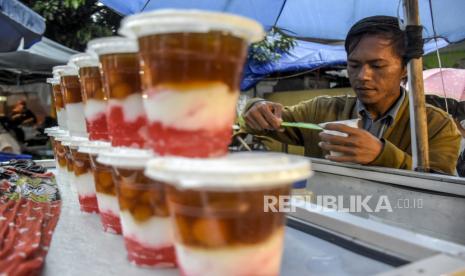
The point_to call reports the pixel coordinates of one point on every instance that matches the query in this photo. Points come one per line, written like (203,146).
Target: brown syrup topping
(61,154)
(217,219)
(192,57)
(103,177)
(58,97)
(121,76)
(71,89)
(91,83)
(141,196)
(81,162)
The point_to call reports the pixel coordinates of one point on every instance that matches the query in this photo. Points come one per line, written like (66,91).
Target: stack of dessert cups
(159,104)
(191,65)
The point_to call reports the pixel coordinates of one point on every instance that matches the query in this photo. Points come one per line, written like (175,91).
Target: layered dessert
(59,103)
(84,181)
(191,65)
(71,90)
(126,120)
(95,101)
(216,231)
(144,212)
(217,206)
(61,163)
(105,188)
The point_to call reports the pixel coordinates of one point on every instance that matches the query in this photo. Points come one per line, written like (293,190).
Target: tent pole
(418,121)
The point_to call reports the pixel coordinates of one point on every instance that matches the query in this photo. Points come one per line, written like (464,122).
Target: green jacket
(443,136)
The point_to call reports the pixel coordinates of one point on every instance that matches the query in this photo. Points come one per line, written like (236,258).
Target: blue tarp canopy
(18,22)
(327,20)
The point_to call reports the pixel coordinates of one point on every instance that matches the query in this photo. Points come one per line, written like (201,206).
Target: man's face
(375,70)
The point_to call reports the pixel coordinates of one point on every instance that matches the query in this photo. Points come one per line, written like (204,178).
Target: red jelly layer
(111,223)
(148,256)
(97,128)
(200,143)
(88,204)
(123,133)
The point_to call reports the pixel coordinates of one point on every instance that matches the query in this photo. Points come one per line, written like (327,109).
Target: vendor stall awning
(19,24)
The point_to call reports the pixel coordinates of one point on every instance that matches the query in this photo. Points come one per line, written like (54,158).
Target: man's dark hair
(385,26)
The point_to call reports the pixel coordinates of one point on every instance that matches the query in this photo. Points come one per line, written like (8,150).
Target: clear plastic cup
(104,186)
(82,178)
(126,120)
(95,101)
(143,209)
(59,103)
(71,90)
(191,63)
(218,207)
(351,123)
(58,153)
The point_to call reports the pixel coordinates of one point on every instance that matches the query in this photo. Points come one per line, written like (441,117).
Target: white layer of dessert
(154,232)
(107,203)
(85,184)
(209,106)
(132,106)
(62,120)
(259,259)
(71,180)
(76,120)
(94,109)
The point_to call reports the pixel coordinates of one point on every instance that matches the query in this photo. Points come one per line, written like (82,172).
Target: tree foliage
(74,22)
(272,47)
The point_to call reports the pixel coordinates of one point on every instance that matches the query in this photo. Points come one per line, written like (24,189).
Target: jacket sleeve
(443,152)
(302,112)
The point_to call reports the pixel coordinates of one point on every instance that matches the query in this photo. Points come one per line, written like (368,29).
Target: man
(376,66)
(21,115)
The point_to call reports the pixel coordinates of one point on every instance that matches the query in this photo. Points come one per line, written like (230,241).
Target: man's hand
(264,116)
(359,147)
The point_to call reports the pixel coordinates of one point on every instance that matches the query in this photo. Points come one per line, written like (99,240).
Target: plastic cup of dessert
(192,66)
(67,143)
(126,120)
(143,208)
(59,155)
(105,188)
(71,91)
(351,123)
(225,211)
(58,102)
(83,178)
(59,97)
(94,99)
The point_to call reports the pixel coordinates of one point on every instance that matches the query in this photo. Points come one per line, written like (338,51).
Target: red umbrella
(452,81)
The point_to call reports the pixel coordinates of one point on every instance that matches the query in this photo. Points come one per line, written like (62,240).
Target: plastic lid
(51,129)
(237,171)
(59,133)
(85,60)
(195,21)
(53,81)
(112,45)
(65,70)
(57,69)
(125,157)
(72,141)
(94,147)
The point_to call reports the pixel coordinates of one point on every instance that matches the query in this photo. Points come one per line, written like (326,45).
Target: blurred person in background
(457,110)
(8,143)
(21,116)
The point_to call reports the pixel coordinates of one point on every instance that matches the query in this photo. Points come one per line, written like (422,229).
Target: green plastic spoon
(294,124)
